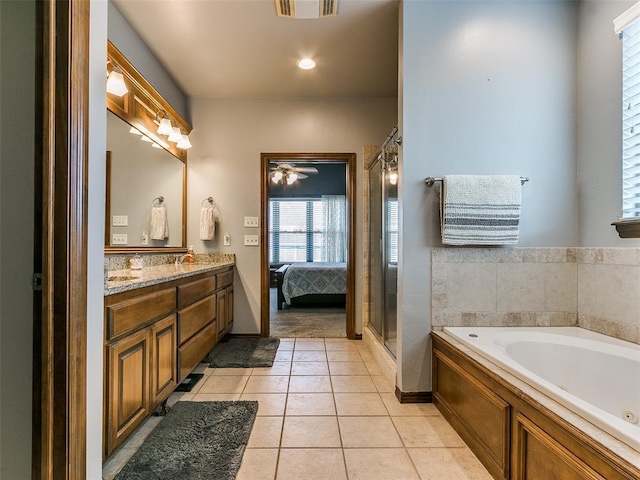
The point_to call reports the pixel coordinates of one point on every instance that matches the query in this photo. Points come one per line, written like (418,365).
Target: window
(307,230)
(631,120)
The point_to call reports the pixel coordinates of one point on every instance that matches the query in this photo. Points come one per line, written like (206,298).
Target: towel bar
(431,180)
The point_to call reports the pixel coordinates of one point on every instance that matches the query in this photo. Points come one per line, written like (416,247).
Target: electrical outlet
(120,220)
(251,222)
(251,240)
(119,239)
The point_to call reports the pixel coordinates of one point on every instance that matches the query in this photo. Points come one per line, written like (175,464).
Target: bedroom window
(307,229)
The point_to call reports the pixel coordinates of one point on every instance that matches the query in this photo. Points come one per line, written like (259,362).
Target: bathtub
(595,376)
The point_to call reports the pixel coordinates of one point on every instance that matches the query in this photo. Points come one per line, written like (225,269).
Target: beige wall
(228,137)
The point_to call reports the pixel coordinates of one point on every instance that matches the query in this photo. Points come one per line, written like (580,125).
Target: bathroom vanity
(159,323)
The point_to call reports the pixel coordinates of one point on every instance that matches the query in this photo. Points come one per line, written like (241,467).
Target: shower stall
(383,242)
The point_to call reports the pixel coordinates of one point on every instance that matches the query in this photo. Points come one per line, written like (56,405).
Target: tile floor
(326,412)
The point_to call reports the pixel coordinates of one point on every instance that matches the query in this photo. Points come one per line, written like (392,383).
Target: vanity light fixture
(306,64)
(175,136)
(184,143)
(144,138)
(135,131)
(115,83)
(165,127)
(155,145)
(393,177)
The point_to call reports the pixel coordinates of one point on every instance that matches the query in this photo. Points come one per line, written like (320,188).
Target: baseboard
(244,335)
(414,397)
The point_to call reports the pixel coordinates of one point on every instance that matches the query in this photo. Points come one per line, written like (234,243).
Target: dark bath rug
(245,352)
(195,441)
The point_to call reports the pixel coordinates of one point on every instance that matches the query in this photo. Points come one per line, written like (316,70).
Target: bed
(312,284)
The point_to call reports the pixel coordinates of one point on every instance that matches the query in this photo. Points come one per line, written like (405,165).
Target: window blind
(631,120)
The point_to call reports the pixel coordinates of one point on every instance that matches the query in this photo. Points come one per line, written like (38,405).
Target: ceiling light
(115,84)
(165,127)
(291,178)
(175,136)
(135,131)
(184,143)
(306,63)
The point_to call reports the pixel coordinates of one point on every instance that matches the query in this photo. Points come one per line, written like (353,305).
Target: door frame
(350,160)
(60,240)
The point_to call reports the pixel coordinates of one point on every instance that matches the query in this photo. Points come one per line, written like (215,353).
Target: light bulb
(155,145)
(393,178)
(144,138)
(175,136)
(184,142)
(135,131)
(306,64)
(165,127)
(115,84)
(291,178)
(275,180)
(277,175)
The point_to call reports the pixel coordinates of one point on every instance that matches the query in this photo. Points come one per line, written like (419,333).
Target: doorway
(308,244)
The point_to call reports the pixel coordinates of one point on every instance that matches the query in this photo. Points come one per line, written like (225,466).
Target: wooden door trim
(60,321)
(350,160)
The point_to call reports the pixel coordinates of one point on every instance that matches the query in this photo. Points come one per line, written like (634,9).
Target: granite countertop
(127,279)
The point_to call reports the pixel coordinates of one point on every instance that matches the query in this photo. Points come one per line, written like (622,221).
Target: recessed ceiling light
(306,64)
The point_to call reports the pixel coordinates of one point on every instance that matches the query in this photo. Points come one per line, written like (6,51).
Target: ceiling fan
(287,172)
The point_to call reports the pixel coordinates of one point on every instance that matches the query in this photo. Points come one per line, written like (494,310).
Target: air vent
(306,8)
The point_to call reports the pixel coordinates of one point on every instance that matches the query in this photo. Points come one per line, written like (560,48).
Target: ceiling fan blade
(302,176)
(306,169)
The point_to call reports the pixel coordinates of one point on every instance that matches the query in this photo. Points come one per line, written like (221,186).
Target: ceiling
(240,48)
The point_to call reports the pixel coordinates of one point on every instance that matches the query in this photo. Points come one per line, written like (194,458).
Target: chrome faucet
(180,258)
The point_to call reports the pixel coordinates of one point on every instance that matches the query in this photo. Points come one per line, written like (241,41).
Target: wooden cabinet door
(229,319)
(221,299)
(128,387)
(163,359)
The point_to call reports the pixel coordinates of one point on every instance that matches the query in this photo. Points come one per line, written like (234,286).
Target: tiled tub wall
(596,288)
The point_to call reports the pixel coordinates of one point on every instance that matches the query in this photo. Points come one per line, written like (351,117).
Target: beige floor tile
(343,356)
(258,464)
(366,355)
(368,432)
(267,384)
(283,356)
(424,432)
(207,371)
(309,368)
(311,464)
(265,432)
(341,344)
(310,404)
(449,463)
(215,397)
(397,409)
(310,384)
(307,344)
(224,384)
(373,368)
(269,404)
(240,372)
(186,397)
(359,404)
(309,356)
(379,464)
(382,384)
(286,344)
(279,368)
(310,432)
(352,384)
(348,368)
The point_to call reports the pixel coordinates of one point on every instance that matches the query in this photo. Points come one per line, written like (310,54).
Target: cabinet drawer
(191,292)
(224,279)
(194,317)
(190,354)
(128,316)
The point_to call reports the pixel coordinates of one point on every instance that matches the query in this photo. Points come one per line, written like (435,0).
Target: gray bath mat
(245,352)
(196,440)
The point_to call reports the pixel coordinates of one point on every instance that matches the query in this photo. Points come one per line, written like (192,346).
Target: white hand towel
(480,209)
(207,223)
(159,223)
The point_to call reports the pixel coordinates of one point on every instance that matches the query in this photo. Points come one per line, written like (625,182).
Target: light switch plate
(120,220)
(119,239)
(251,240)
(251,222)
(227,239)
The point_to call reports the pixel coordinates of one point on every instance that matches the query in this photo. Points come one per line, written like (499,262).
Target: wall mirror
(146,183)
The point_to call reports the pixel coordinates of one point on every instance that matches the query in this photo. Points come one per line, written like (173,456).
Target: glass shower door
(376,273)
(390,258)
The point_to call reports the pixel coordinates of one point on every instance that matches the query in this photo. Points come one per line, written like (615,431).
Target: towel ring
(209,200)
(160,199)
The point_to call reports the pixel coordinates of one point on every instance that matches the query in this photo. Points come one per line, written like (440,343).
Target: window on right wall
(627,26)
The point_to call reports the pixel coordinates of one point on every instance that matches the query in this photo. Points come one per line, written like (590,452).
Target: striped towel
(480,209)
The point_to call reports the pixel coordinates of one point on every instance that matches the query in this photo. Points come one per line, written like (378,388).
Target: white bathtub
(595,376)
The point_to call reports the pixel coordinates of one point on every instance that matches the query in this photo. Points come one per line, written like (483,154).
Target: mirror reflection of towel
(207,223)
(159,223)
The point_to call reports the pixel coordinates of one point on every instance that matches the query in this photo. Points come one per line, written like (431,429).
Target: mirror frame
(139,108)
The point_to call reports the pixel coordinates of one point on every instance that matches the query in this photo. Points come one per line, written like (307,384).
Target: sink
(122,278)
